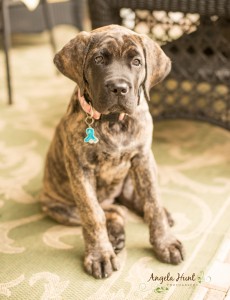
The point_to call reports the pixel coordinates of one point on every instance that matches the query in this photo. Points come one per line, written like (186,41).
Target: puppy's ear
(70,60)
(157,64)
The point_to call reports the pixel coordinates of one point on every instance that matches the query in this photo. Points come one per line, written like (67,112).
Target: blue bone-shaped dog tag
(90,138)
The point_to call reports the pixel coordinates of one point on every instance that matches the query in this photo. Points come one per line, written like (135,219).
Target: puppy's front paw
(169,250)
(101,263)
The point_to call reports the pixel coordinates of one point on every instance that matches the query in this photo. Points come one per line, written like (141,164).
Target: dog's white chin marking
(121,117)
(92,111)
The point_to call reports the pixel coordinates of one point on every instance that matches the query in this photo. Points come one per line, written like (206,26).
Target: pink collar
(92,111)
(87,107)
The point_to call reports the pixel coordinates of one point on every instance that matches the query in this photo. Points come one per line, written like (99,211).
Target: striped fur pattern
(82,181)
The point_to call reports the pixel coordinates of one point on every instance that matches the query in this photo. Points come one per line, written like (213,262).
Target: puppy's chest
(113,165)
(110,172)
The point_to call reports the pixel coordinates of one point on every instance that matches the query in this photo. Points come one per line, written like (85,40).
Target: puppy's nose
(119,88)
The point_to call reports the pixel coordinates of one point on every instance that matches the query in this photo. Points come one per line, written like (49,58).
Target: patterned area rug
(40,259)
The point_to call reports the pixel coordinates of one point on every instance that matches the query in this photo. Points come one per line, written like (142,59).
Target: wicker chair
(195,34)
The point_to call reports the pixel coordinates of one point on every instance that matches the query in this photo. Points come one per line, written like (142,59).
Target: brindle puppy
(114,69)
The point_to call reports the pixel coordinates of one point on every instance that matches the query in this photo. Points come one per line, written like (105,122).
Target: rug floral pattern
(40,259)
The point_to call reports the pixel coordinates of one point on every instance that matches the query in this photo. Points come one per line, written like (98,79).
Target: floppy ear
(157,64)
(70,59)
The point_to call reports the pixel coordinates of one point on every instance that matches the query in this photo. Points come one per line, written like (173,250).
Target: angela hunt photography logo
(180,279)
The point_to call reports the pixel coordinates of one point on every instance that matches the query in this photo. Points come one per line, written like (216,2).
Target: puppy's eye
(99,59)
(136,62)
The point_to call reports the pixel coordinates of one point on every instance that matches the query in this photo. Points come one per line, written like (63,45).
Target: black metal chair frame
(6,33)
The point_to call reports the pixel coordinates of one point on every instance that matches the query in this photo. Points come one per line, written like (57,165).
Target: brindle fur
(81,180)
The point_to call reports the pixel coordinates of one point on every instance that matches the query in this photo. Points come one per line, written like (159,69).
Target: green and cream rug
(40,259)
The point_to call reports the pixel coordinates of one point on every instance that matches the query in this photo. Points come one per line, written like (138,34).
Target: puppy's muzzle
(121,95)
(117,88)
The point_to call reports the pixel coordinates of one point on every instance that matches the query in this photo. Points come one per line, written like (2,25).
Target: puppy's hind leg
(115,222)
(66,214)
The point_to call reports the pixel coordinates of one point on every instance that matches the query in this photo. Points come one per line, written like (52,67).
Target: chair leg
(6,45)
(49,20)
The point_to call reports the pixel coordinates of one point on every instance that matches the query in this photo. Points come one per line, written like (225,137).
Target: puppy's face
(114,72)
(111,65)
